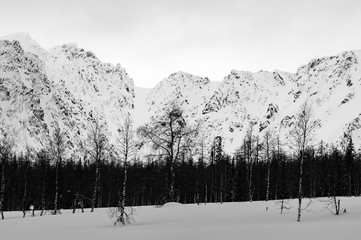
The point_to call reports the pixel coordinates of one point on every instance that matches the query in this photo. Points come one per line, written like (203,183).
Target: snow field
(180,222)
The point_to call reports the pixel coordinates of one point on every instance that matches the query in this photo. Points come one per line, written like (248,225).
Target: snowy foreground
(212,221)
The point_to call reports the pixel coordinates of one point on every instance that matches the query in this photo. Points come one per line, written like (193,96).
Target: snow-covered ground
(212,221)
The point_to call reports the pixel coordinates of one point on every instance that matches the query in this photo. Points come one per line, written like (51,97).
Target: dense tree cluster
(30,180)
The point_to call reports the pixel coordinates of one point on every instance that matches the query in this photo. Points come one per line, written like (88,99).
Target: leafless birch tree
(126,150)
(27,161)
(301,135)
(57,148)
(248,152)
(167,135)
(43,159)
(97,146)
(268,143)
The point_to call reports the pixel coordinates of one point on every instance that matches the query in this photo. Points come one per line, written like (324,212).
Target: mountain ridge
(69,86)
(271,100)
(80,89)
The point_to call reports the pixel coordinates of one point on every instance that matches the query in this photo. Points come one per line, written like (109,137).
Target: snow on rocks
(270,100)
(67,86)
(71,86)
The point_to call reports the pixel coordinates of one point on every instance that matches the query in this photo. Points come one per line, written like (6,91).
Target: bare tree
(167,135)
(6,146)
(268,143)
(201,159)
(248,152)
(25,190)
(332,204)
(216,157)
(43,159)
(301,135)
(57,148)
(277,150)
(97,146)
(284,204)
(126,150)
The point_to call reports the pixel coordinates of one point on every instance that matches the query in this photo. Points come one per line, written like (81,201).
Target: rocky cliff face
(70,87)
(66,87)
(270,100)
(184,89)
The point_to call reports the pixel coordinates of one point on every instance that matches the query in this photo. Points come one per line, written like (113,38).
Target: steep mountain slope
(245,98)
(333,86)
(186,90)
(70,88)
(270,100)
(24,92)
(67,87)
(27,44)
(87,88)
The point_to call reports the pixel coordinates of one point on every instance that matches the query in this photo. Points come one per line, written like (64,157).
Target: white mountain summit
(69,87)
(270,100)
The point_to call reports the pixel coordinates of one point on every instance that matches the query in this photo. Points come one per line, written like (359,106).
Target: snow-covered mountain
(270,100)
(184,89)
(65,86)
(69,87)
(27,44)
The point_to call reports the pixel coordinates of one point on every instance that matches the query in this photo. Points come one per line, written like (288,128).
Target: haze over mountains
(69,87)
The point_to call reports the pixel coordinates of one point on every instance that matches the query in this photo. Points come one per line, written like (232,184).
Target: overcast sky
(153,38)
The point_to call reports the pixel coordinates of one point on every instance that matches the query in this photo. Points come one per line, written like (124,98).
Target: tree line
(108,176)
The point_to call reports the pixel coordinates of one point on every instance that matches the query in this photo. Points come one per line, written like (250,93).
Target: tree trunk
(221,190)
(75,202)
(100,195)
(56,199)
(337,205)
(172,179)
(282,201)
(250,185)
(300,189)
(349,184)
(43,193)
(122,204)
(206,193)
(96,184)
(25,195)
(268,179)
(196,200)
(2,190)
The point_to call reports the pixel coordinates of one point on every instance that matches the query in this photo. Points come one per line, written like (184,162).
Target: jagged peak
(339,58)
(14,44)
(64,48)
(71,45)
(118,68)
(236,76)
(180,74)
(181,77)
(260,72)
(27,43)
(72,51)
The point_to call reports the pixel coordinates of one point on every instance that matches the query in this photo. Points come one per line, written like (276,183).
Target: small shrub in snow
(122,215)
(332,204)
(284,204)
